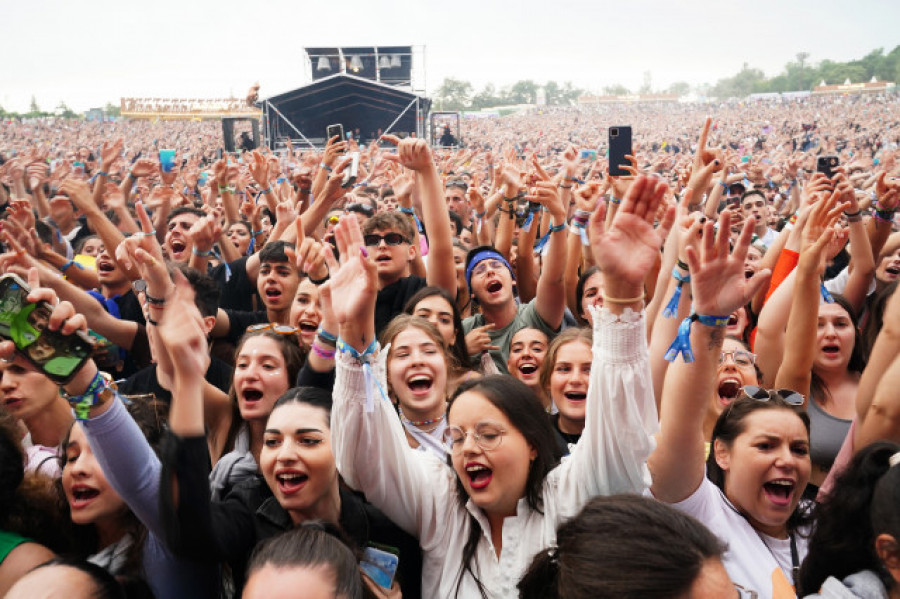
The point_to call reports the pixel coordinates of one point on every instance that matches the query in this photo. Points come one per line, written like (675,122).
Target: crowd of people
(487,371)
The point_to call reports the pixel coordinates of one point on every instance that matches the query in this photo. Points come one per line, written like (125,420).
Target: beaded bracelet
(326,167)
(326,354)
(202,254)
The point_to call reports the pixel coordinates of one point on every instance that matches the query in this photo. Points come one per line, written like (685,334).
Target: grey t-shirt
(526,317)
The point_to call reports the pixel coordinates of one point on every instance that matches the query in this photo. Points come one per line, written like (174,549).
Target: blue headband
(482,256)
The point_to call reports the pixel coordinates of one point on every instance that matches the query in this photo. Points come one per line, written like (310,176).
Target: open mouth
(575,395)
(479,476)
(748,273)
(81,496)
(272,293)
(105,266)
(728,390)
(831,350)
(893,271)
(383,258)
(177,246)
(779,491)
(420,384)
(252,395)
(307,327)
(732,320)
(291,482)
(494,286)
(528,369)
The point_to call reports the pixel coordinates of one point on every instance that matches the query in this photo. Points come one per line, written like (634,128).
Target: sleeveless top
(826,434)
(8,542)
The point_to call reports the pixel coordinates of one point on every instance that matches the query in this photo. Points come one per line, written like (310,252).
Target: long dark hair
(818,390)
(458,347)
(579,292)
(732,422)
(294,358)
(622,546)
(843,540)
(526,413)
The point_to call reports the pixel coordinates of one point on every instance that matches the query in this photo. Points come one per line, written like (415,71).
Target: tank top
(826,435)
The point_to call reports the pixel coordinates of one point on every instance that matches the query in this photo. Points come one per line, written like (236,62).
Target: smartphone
(336,129)
(166,160)
(352,170)
(827,165)
(24,323)
(380,564)
(619,147)
(78,168)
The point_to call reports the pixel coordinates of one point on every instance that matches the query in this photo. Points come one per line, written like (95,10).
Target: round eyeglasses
(487,436)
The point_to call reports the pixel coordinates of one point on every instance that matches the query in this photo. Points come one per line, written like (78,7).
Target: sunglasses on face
(789,396)
(391,239)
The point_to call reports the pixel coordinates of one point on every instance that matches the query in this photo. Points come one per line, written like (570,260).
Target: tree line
(798,75)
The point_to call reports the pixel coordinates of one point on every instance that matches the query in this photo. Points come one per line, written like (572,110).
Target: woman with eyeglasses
(497,500)
(736,369)
(749,490)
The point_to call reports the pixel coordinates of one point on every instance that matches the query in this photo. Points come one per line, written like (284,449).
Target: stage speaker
(240,134)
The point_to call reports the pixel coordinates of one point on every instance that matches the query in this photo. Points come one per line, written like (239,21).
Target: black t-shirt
(563,439)
(237,289)
(239,321)
(130,307)
(393,298)
(145,381)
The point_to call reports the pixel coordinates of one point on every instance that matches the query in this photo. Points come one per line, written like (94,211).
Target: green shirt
(526,317)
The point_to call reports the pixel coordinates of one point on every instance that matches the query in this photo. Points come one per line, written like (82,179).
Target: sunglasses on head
(281,329)
(391,239)
(360,209)
(789,396)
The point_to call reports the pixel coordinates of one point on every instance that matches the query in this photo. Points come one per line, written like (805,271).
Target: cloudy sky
(90,52)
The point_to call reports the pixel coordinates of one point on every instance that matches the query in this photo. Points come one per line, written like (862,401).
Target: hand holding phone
(619,148)
(57,354)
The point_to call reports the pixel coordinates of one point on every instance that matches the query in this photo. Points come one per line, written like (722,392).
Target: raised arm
(795,371)
(719,288)
(621,419)
(877,405)
(415,155)
(370,447)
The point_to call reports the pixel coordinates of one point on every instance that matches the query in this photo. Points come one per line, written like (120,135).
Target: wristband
(481,214)
(226,189)
(265,191)
(326,337)
(561,186)
(68,264)
(622,300)
(615,200)
(98,390)
(671,309)
(326,167)
(203,254)
(326,354)
(557,228)
(255,233)
(682,265)
(304,189)
(101,174)
(826,296)
(318,281)
(853,217)
(574,180)
(154,301)
(682,343)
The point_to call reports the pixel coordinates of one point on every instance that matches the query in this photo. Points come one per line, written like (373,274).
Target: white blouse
(419,492)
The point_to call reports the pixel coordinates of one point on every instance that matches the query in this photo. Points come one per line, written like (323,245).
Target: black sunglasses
(391,239)
(788,396)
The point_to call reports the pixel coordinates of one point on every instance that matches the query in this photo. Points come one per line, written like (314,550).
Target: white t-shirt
(753,560)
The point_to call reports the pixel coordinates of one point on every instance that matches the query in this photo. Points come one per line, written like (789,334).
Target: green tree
(33,109)
(523,92)
(486,98)
(616,90)
(112,110)
(454,94)
(64,111)
(679,88)
(747,81)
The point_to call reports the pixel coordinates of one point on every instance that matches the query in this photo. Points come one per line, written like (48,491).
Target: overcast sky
(93,51)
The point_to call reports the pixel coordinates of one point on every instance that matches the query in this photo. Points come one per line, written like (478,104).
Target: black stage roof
(354,102)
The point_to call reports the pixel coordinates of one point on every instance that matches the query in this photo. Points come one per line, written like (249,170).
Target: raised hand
(259,168)
(546,194)
(110,154)
(718,281)
(181,331)
(628,249)
(706,162)
(354,284)
(413,153)
(144,167)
